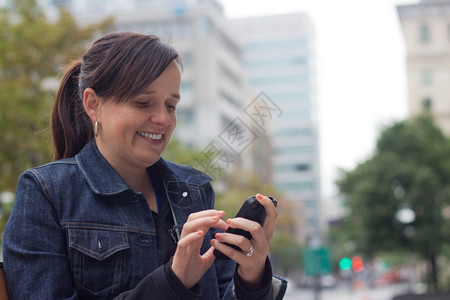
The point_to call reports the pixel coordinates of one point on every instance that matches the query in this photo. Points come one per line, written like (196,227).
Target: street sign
(316,261)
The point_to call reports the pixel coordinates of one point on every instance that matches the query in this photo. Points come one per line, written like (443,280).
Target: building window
(449,32)
(187,59)
(281,79)
(424,33)
(186,116)
(293,168)
(427,103)
(426,77)
(205,26)
(229,99)
(300,43)
(301,149)
(231,75)
(302,167)
(307,131)
(296,185)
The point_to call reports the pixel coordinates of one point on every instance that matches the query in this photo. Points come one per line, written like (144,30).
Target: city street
(344,293)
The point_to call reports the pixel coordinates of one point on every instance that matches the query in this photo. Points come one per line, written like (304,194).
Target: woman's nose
(161,117)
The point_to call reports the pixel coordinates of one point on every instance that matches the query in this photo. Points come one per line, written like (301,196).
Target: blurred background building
(279,60)
(426,30)
(256,74)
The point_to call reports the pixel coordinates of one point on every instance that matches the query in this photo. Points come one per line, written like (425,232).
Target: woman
(109,218)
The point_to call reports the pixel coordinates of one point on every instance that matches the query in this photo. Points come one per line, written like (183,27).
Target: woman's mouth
(153,136)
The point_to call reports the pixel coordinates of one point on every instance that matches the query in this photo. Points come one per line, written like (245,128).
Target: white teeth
(150,135)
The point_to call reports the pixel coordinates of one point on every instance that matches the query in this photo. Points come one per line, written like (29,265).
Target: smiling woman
(133,134)
(111,219)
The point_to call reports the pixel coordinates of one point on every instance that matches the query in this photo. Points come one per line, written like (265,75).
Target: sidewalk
(439,296)
(345,293)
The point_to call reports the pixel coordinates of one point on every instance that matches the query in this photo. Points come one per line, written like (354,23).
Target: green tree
(33,50)
(180,154)
(396,197)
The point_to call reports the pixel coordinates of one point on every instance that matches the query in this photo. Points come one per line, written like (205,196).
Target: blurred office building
(426,30)
(211,116)
(280,61)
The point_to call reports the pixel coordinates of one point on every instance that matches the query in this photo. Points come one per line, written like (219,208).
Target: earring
(96,129)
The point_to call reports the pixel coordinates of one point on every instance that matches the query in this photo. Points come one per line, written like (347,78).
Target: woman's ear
(91,103)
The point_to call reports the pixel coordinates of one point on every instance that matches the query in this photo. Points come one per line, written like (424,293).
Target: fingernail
(200,232)
(217,235)
(212,241)
(229,221)
(259,196)
(215,218)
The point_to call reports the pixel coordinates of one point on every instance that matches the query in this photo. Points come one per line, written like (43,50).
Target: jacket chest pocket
(97,258)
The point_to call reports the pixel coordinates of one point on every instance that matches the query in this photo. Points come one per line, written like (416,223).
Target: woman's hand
(251,265)
(188,264)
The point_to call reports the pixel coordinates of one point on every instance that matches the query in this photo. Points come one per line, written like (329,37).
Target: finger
(221,225)
(260,238)
(255,229)
(234,239)
(209,256)
(206,213)
(188,250)
(190,239)
(232,253)
(271,217)
(204,224)
(268,204)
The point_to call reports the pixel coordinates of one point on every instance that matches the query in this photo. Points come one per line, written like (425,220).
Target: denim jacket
(78,231)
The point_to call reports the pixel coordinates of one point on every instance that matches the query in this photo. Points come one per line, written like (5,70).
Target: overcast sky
(361,72)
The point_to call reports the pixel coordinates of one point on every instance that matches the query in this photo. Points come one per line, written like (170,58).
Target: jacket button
(99,244)
(184,194)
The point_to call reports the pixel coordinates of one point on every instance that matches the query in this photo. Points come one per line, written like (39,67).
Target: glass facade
(281,63)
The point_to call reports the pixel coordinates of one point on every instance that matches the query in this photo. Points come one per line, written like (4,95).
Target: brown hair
(117,66)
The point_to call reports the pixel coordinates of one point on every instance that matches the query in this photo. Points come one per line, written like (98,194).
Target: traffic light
(357,264)
(345,263)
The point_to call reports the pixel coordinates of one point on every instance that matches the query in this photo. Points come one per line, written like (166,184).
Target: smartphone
(251,210)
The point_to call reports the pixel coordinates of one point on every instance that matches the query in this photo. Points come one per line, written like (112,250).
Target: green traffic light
(345,263)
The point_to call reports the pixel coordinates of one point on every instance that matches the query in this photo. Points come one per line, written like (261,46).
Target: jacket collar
(104,180)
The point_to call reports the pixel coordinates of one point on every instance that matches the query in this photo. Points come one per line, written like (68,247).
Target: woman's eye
(141,103)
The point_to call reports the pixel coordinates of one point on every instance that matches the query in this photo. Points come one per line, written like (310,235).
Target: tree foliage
(409,173)
(33,49)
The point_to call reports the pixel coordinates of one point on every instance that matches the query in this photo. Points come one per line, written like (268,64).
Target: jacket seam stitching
(44,186)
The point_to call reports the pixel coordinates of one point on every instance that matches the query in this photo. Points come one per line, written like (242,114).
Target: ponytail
(70,125)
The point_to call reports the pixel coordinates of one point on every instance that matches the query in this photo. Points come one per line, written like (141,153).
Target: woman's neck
(136,177)
(141,182)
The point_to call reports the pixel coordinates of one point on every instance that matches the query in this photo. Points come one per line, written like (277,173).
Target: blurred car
(389,277)
(325,281)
